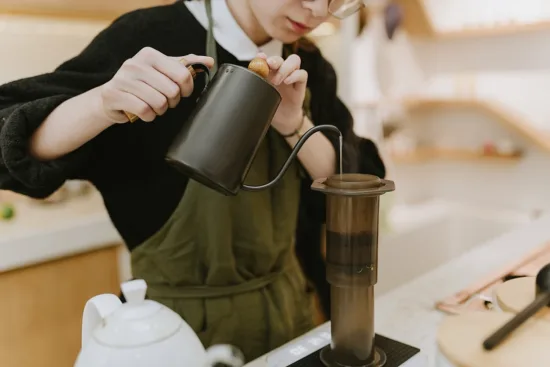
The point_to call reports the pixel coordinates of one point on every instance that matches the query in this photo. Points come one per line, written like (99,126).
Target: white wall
(521,185)
(510,70)
(514,71)
(449,15)
(33,45)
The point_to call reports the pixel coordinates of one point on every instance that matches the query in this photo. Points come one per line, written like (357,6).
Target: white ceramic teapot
(143,333)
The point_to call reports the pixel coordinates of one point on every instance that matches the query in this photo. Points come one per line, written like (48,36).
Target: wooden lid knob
(460,340)
(259,66)
(515,294)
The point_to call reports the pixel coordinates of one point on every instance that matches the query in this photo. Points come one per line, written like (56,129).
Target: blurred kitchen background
(457,100)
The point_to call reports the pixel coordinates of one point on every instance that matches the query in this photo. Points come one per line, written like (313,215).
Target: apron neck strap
(210,40)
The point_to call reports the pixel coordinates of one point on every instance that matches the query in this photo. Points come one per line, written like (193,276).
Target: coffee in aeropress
(352,222)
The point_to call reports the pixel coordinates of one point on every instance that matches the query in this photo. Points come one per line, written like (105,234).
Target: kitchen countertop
(43,232)
(407,313)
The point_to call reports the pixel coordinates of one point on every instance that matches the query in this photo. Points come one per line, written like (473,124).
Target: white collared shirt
(227,32)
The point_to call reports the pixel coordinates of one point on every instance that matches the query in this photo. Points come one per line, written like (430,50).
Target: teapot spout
(95,311)
(293,155)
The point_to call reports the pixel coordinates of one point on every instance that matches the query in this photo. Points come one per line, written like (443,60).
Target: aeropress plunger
(352,212)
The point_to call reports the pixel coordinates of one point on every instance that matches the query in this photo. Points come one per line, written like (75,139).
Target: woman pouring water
(227,265)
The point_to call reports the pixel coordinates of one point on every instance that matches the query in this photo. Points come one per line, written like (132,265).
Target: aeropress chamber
(352,216)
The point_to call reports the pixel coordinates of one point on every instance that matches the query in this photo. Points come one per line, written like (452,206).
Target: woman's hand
(317,154)
(148,84)
(291,82)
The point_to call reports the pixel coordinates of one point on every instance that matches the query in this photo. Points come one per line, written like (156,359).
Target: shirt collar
(228,33)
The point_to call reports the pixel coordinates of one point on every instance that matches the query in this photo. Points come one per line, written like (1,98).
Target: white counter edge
(67,233)
(76,238)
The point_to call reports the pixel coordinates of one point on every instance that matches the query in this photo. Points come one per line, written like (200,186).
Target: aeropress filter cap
(353,184)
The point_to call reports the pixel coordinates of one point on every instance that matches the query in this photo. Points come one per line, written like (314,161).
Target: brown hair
(303,44)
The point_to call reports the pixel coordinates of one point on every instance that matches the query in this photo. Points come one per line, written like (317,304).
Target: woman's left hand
(291,82)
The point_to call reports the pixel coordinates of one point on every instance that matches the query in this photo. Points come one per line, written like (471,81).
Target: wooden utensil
(460,339)
(542,299)
(459,301)
(516,294)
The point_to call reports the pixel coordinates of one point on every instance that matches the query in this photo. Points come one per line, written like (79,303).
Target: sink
(424,236)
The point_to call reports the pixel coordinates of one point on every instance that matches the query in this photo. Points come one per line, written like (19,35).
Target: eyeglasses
(344,8)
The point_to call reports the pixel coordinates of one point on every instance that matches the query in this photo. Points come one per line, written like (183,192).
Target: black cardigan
(126,161)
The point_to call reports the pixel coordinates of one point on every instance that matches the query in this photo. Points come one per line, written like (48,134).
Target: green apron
(227,264)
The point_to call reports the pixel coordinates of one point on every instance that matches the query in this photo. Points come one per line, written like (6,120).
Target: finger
(195,59)
(262,55)
(187,88)
(177,72)
(291,64)
(132,104)
(297,77)
(151,56)
(175,68)
(156,100)
(164,85)
(275,62)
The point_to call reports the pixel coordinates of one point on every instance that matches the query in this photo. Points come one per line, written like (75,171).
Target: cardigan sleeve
(360,155)
(26,103)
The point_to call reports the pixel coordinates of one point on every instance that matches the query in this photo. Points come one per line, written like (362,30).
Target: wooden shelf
(416,20)
(417,23)
(500,30)
(429,154)
(491,109)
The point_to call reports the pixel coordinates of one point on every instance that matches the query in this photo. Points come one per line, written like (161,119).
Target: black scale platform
(396,352)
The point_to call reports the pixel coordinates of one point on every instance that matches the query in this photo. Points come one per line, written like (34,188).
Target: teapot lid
(139,321)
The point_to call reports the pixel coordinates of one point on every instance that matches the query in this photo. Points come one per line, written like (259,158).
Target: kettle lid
(139,321)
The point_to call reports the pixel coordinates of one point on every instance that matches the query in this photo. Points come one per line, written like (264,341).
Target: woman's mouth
(299,28)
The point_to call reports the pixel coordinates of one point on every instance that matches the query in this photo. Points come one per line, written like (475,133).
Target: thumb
(196,59)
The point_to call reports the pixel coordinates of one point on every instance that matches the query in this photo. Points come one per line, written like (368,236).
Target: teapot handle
(96,309)
(293,154)
(194,69)
(224,354)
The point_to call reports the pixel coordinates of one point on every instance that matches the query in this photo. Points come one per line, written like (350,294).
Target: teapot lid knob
(134,290)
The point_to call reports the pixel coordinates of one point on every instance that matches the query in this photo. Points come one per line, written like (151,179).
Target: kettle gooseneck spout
(293,154)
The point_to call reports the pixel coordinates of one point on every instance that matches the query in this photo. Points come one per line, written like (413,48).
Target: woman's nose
(319,8)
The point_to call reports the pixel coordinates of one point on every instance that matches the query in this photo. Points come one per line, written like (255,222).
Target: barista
(227,265)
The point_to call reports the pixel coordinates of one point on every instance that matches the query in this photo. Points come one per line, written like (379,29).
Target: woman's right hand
(148,84)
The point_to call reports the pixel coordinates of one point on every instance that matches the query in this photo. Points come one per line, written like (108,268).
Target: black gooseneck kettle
(218,143)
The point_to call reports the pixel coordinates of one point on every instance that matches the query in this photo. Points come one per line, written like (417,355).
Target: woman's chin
(287,36)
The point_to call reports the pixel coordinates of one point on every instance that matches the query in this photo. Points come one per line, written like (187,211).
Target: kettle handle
(293,154)
(194,69)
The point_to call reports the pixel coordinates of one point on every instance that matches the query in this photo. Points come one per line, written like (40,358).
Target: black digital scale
(305,351)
